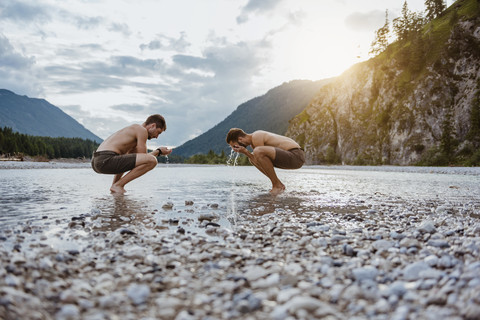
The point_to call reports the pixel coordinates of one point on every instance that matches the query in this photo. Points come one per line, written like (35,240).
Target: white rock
(365,273)
(293,268)
(68,311)
(303,302)
(210,216)
(382,245)
(135,252)
(11,280)
(252,273)
(431,260)
(271,280)
(427,227)
(413,270)
(138,293)
(167,205)
(286,294)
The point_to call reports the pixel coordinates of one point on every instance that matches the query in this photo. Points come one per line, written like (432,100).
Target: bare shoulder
(259,136)
(137,130)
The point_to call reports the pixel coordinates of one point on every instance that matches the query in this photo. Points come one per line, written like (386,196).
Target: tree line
(407,26)
(18,144)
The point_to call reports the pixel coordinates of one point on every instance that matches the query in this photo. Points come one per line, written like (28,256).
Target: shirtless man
(269,150)
(126,150)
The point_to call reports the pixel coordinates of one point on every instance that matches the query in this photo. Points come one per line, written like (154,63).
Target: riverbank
(349,252)
(52,164)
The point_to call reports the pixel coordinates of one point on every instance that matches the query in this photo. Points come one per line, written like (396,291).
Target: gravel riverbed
(281,258)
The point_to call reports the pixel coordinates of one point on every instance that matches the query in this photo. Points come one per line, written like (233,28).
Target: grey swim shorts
(291,159)
(110,162)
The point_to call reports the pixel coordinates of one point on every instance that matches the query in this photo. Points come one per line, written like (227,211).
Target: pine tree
(381,37)
(434,8)
(408,23)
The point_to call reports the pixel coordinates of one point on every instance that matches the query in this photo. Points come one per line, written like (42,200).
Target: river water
(54,196)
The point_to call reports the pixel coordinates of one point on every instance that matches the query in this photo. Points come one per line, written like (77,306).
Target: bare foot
(277,190)
(117,189)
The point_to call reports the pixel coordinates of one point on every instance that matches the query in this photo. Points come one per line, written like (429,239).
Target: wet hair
(234,134)
(158,120)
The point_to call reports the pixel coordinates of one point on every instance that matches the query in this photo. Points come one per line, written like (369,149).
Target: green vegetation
(14,143)
(212,158)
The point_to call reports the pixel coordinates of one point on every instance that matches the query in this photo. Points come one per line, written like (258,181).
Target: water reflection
(118,211)
(265,203)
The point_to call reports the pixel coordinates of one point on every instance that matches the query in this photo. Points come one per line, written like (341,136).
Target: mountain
(417,102)
(270,112)
(37,117)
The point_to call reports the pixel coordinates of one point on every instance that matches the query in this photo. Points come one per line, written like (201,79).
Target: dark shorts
(291,159)
(110,162)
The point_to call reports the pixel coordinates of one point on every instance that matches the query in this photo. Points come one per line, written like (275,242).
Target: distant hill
(38,117)
(270,112)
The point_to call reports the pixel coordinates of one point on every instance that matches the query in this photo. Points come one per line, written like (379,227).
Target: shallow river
(48,196)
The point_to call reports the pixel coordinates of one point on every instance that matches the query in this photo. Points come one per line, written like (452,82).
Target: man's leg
(143,164)
(263,160)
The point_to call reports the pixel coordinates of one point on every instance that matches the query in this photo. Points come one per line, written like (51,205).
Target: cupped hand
(166,151)
(239,149)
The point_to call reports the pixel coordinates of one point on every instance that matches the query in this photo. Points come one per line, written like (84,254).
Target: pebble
(403,261)
(365,273)
(138,293)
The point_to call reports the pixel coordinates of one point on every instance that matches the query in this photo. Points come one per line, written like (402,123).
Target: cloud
(17,72)
(166,43)
(256,6)
(88,23)
(122,28)
(368,21)
(129,107)
(23,11)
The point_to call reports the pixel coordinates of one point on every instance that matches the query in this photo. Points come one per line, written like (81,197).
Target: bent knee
(152,161)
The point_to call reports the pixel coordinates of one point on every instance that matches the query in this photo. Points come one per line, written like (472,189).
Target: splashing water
(231,161)
(166,159)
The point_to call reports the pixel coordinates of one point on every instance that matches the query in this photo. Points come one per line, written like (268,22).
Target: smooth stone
(209,216)
(365,273)
(409,243)
(287,294)
(348,250)
(303,302)
(12,281)
(427,227)
(396,236)
(138,293)
(135,252)
(438,243)
(431,260)
(412,271)
(68,311)
(382,245)
(270,281)
(398,288)
(252,273)
(168,205)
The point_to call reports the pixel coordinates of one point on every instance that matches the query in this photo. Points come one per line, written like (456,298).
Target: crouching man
(269,150)
(124,153)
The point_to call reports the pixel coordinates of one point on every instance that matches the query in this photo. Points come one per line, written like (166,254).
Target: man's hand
(164,151)
(240,149)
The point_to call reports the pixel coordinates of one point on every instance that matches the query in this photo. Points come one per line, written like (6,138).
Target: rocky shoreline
(384,260)
(53,164)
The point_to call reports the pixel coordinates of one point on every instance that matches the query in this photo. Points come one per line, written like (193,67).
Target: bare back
(131,139)
(265,138)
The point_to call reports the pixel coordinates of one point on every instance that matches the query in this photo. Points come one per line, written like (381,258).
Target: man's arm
(141,136)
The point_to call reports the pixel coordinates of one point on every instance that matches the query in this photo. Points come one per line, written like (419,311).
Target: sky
(111,63)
